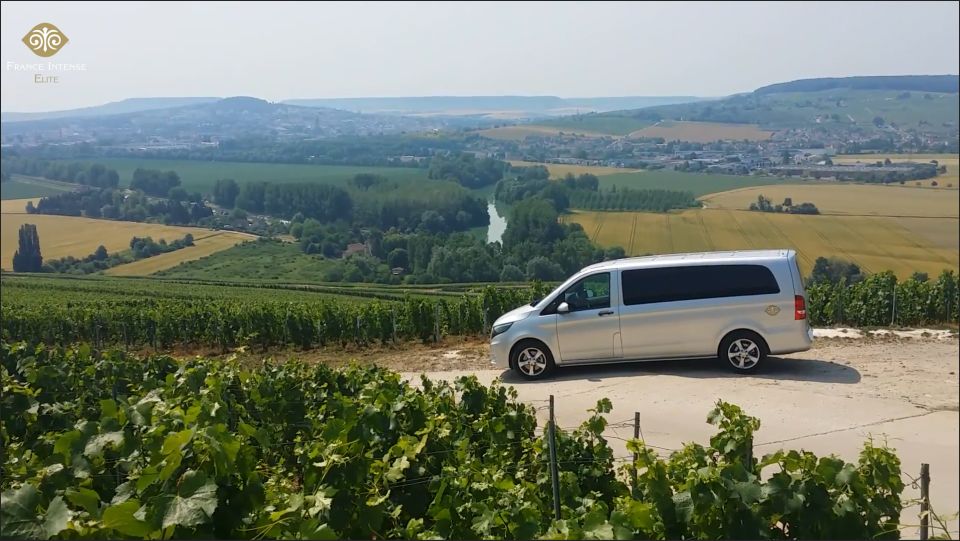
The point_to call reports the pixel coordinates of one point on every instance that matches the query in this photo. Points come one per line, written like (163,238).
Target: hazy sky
(297,50)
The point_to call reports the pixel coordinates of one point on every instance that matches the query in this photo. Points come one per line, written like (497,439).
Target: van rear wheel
(531,360)
(743,350)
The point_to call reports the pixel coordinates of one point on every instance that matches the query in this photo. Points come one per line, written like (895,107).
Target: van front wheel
(743,350)
(531,360)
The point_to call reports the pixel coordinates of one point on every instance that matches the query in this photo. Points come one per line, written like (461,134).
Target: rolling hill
(131,105)
(228,117)
(928,103)
(518,106)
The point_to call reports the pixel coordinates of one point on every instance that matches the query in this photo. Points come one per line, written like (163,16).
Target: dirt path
(917,371)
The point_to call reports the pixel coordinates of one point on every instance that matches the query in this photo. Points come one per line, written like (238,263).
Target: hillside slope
(863,104)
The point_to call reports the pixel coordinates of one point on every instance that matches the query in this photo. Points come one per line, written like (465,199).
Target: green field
(612,125)
(201,175)
(277,263)
(18,288)
(21,187)
(261,261)
(698,183)
(26,289)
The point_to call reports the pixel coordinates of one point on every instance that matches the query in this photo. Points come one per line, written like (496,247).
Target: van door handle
(606,313)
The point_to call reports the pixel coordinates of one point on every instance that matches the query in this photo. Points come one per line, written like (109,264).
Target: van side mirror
(563,308)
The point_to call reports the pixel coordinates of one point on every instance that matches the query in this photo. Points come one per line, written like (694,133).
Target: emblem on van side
(773,310)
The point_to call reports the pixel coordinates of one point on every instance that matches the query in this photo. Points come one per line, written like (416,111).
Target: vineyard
(881,300)
(101,444)
(162,314)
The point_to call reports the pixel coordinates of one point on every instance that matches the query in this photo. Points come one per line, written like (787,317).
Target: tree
(541,268)
(398,257)
(154,182)
(100,253)
(365,181)
(27,258)
(614,252)
(511,273)
(834,271)
(533,221)
(432,222)
(225,192)
(178,193)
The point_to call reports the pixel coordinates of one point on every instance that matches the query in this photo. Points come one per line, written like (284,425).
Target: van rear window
(645,286)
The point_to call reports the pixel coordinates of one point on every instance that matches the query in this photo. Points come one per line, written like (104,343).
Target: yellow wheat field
(62,236)
(702,132)
(559,170)
(16,206)
(213,242)
(903,245)
(851,199)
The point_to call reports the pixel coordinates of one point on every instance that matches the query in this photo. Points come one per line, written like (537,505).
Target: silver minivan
(737,306)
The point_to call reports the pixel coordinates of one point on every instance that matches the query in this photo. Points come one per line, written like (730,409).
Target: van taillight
(799,307)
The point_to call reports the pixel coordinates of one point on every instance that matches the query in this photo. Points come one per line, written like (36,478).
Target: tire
(742,351)
(531,360)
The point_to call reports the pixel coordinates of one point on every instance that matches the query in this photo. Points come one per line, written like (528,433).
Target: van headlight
(500,329)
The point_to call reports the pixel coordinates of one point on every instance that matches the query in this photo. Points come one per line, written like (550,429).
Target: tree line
(467,170)
(374,150)
(113,204)
(535,246)
(764,204)
(583,192)
(28,257)
(88,174)
(100,259)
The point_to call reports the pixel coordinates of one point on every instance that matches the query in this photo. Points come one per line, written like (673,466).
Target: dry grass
(518,133)
(62,236)
(558,170)
(933,232)
(903,245)
(16,206)
(952,161)
(203,246)
(849,199)
(703,132)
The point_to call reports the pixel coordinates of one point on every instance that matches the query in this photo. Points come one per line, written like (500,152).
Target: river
(498,223)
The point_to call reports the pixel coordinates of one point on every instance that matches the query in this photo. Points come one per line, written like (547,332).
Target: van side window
(645,286)
(589,293)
